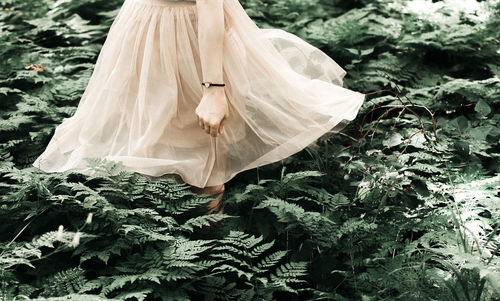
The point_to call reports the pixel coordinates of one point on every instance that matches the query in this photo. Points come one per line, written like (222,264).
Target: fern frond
(289,272)
(203,220)
(258,250)
(271,260)
(69,281)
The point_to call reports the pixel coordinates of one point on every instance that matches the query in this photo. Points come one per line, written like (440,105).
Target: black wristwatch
(208,84)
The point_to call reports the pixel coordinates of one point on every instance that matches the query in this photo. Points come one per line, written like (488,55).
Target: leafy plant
(401,205)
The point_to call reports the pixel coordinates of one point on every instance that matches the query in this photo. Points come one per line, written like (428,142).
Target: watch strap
(209,84)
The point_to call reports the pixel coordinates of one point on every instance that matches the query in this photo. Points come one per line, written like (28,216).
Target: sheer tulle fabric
(139,105)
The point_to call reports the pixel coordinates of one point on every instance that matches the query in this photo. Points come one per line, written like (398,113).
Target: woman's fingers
(206,128)
(219,132)
(200,122)
(213,131)
(203,125)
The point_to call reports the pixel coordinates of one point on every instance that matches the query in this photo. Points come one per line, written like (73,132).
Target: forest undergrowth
(403,204)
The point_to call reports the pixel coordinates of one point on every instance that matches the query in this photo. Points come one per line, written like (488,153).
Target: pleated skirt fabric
(139,105)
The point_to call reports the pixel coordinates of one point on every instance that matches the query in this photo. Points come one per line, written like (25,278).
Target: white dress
(139,105)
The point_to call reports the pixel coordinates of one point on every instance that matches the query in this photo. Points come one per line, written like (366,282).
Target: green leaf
(482,108)
(393,140)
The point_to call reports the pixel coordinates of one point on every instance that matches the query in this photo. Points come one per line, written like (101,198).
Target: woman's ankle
(214,206)
(210,189)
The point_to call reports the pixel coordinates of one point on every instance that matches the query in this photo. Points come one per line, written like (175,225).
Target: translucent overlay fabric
(139,105)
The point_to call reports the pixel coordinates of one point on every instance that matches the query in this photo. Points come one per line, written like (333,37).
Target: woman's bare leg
(212,190)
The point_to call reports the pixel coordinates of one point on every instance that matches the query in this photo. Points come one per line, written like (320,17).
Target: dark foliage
(402,205)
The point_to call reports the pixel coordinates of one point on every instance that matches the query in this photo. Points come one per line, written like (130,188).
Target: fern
(65,282)
(271,260)
(203,220)
(362,214)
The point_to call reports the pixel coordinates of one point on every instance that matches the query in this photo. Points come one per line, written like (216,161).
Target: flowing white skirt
(139,105)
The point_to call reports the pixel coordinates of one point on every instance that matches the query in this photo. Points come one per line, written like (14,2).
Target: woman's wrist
(212,84)
(213,90)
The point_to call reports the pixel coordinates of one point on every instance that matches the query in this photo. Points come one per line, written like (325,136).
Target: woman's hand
(212,111)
